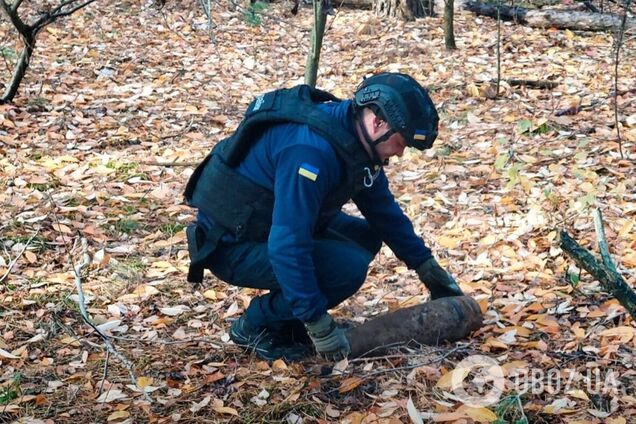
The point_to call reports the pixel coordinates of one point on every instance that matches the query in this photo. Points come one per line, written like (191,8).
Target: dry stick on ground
(610,280)
(12,262)
(542,84)
(77,269)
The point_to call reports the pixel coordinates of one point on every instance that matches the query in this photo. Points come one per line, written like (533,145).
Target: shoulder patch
(308,171)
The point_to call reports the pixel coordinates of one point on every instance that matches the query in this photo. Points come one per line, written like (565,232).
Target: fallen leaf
(111,395)
(481,414)
(7,355)
(414,414)
(349,384)
(118,415)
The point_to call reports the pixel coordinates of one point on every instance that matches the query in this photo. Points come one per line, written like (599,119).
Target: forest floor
(122,100)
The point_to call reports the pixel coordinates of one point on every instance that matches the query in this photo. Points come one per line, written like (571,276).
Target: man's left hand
(439,282)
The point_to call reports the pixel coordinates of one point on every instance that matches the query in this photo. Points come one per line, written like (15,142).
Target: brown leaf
(349,384)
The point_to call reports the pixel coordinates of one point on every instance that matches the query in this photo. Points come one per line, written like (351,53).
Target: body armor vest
(242,208)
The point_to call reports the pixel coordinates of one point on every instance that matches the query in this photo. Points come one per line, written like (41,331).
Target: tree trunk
(561,19)
(20,68)
(449,32)
(407,10)
(317,33)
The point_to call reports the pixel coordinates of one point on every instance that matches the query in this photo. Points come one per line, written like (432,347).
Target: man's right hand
(329,339)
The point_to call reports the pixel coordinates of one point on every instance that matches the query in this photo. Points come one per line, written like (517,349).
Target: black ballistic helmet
(404,104)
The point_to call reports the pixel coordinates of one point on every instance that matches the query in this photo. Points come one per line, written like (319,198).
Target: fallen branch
(552,18)
(542,84)
(610,280)
(77,269)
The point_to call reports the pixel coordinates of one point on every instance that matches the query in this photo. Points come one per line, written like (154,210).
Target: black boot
(268,344)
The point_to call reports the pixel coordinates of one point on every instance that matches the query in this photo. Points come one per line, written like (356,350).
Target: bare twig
(59,12)
(77,269)
(101,384)
(602,242)
(15,260)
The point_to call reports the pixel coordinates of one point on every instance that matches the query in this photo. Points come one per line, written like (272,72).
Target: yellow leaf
(455,376)
(70,341)
(488,240)
(483,305)
(349,384)
(625,229)
(569,34)
(629,259)
(145,290)
(509,366)
(279,364)
(578,393)
(161,264)
(144,382)
(118,415)
(621,331)
(481,414)
(472,90)
(209,294)
(493,342)
(225,410)
(448,242)
(579,333)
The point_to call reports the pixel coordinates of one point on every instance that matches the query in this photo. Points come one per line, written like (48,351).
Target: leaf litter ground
(121,102)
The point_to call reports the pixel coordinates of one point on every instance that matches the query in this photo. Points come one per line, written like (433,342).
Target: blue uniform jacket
(301,168)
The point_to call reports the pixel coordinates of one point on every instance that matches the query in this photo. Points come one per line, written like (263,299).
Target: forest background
(122,99)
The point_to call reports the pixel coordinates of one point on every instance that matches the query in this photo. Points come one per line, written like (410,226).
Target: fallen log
(430,323)
(610,280)
(551,18)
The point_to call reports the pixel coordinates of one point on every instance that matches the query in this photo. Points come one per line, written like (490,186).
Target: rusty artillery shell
(430,323)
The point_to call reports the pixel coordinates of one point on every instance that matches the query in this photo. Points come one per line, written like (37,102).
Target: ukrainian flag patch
(420,135)
(308,171)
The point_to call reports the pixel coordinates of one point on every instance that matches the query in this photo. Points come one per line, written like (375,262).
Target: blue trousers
(341,258)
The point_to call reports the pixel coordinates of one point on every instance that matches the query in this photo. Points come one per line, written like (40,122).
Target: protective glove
(329,340)
(437,280)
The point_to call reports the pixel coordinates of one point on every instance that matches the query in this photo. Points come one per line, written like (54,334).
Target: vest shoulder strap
(293,105)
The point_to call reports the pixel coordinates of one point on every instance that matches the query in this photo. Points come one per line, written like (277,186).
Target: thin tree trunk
(407,10)
(317,34)
(449,31)
(20,69)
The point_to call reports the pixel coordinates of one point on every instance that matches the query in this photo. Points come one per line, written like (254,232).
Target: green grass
(12,391)
(44,186)
(37,245)
(127,226)
(509,410)
(252,14)
(171,229)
